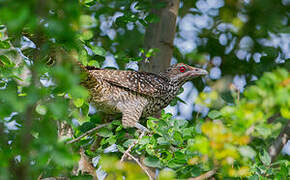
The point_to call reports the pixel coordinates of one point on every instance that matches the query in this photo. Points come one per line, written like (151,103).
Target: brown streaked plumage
(136,94)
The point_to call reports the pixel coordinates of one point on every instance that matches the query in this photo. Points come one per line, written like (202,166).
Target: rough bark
(280,142)
(160,35)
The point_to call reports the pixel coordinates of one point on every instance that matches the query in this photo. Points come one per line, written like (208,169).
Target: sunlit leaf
(78,102)
(265,158)
(214,114)
(4,45)
(41,109)
(98,50)
(6,61)
(152,162)
(247,151)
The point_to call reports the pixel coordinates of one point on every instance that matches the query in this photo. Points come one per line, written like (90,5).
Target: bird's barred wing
(141,82)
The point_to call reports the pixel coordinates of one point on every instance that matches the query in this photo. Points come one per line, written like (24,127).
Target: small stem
(205,175)
(197,115)
(138,162)
(131,146)
(87,133)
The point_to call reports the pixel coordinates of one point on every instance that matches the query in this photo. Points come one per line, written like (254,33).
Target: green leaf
(162,141)
(180,123)
(41,109)
(187,132)
(177,137)
(247,151)
(151,124)
(180,156)
(179,99)
(86,35)
(174,102)
(86,126)
(78,102)
(265,158)
(129,142)
(4,45)
(85,109)
(144,140)
(104,132)
(116,122)
(151,52)
(227,96)
(199,143)
(111,140)
(152,162)
(86,1)
(6,61)
(98,50)
(174,163)
(152,18)
(94,63)
(166,174)
(86,20)
(263,130)
(214,114)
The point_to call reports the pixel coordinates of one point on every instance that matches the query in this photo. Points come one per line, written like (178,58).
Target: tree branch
(131,146)
(279,142)
(141,165)
(87,133)
(205,175)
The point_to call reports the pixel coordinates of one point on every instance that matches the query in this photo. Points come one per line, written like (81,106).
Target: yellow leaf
(285,112)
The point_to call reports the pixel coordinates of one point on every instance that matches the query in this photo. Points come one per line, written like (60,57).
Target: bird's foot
(141,128)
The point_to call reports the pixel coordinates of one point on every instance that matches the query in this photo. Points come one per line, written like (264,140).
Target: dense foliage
(40,88)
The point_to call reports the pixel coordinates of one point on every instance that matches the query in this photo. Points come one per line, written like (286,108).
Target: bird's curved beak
(198,72)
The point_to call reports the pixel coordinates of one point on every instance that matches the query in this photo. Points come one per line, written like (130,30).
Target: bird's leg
(130,118)
(131,146)
(131,113)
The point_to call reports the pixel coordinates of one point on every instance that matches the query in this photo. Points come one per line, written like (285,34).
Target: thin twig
(131,146)
(205,175)
(250,130)
(238,98)
(197,115)
(87,133)
(41,174)
(138,162)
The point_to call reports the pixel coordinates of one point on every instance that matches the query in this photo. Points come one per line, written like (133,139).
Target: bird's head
(182,72)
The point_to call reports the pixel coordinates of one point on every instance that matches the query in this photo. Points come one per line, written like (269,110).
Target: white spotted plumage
(135,94)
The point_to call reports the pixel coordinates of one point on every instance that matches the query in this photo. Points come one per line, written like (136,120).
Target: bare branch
(280,141)
(127,153)
(87,133)
(56,178)
(85,165)
(131,146)
(141,165)
(205,175)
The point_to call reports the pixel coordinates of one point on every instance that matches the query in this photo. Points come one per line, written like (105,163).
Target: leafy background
(219,122)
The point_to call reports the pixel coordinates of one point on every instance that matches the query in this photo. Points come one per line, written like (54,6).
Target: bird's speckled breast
(156,104)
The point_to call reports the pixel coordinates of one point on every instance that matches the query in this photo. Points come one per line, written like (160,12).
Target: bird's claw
(141,128)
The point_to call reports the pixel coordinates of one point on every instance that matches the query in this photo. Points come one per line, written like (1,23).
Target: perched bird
(136,94)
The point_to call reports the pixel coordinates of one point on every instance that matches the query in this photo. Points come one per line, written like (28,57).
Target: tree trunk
(161,35)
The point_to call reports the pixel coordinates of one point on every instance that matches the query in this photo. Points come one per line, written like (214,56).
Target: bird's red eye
(182,69)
